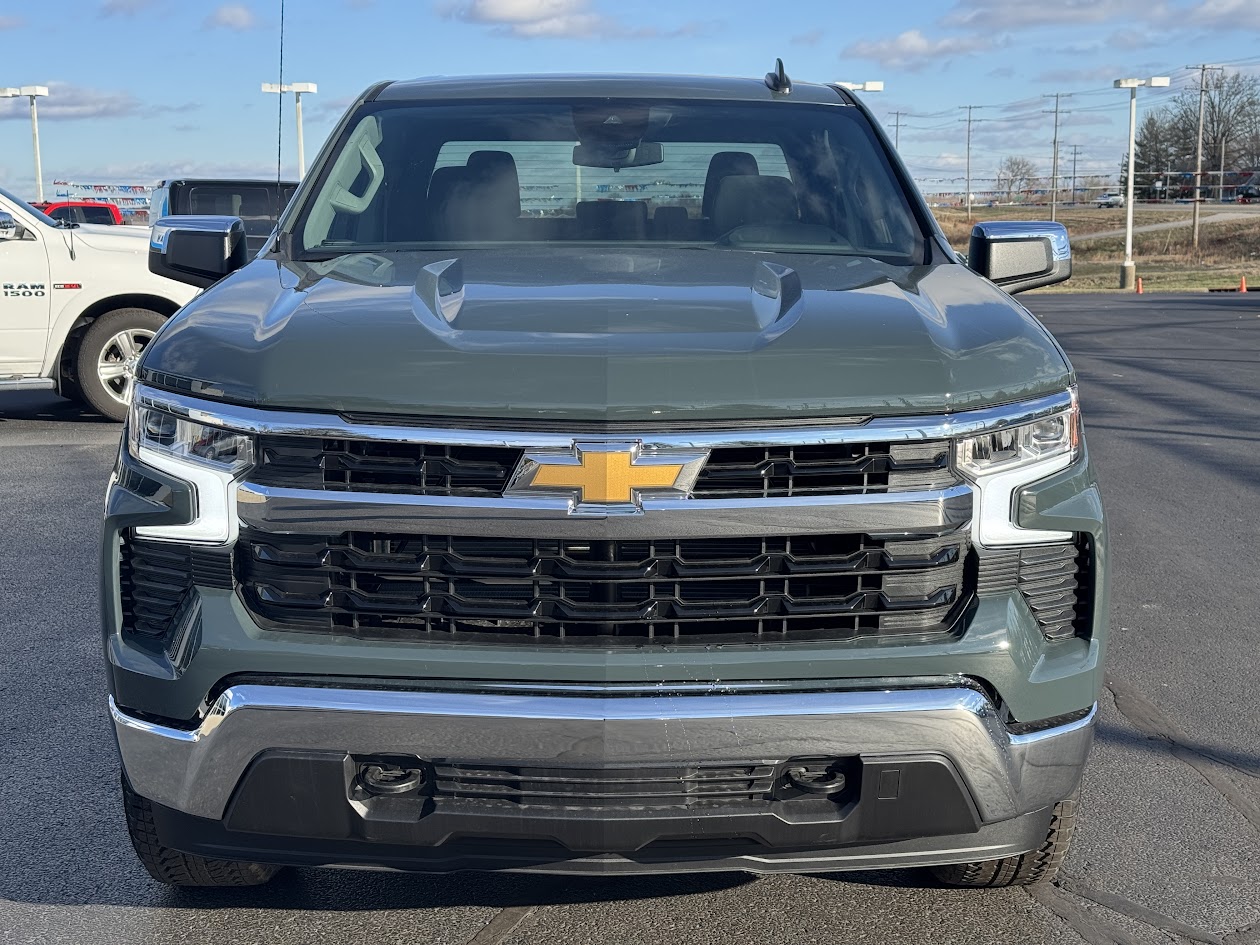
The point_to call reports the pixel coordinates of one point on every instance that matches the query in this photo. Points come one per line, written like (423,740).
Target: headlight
(188,440)
(210,459)
(1020,446)
(1000,462)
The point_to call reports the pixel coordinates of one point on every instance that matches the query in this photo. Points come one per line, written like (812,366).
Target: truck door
(24,293)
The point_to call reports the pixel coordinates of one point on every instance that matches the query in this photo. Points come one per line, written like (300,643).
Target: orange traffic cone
(1139,285)
(1242,284)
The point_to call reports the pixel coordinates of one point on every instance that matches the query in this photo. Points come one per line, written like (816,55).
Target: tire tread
(1024,869)
(183,869)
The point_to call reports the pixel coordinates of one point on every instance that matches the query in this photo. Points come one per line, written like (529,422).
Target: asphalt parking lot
(1169,842)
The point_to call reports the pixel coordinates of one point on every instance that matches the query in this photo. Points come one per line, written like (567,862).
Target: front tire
(183,869)
(1026,869)
(107,357)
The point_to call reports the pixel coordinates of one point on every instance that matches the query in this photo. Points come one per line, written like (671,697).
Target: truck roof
(723,88)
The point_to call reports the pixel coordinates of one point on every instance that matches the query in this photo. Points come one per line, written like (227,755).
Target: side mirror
(197,250)
(8,226)
(1018,256)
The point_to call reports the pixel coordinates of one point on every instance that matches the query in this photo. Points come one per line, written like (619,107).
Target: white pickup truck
(77,306)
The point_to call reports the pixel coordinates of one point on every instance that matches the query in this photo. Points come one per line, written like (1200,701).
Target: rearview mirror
(8,226)
(612,154)
(1019,256)
(197,250)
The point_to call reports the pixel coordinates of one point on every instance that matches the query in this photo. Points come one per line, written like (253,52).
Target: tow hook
(388,779)
(824,782)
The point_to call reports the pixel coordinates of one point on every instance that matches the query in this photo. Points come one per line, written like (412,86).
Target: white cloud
(809,37)
(66,102)
(521,11)
(997,15)
(11,22)
(1226,14)
(330,108)
(231,16)
(1103,73)
(125,7)
(534,19)
(913,51)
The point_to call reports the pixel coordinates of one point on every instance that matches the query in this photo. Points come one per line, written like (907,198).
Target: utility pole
(1075,151)
(897,129)
(1198,149)
(968,120)
(1220,184)
(1054,160)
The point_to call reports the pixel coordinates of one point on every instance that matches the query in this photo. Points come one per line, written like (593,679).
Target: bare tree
(1014,175)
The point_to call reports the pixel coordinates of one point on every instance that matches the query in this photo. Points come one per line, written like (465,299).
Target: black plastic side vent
(1056,581)
(157,579)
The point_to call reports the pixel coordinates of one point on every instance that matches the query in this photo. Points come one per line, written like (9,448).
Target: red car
(82,211)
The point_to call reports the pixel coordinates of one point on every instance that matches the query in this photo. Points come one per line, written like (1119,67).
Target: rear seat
(612,220)
(672,223)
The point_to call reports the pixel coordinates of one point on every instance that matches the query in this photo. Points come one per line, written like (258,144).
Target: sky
(146,89)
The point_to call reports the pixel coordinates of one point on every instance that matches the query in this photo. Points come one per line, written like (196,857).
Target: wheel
(108,355)
(183,869)
(1037,866)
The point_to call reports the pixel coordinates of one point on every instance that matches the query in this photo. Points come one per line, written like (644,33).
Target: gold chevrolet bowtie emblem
(608,475)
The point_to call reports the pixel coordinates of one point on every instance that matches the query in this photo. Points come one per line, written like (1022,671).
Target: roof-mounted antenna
(778,81)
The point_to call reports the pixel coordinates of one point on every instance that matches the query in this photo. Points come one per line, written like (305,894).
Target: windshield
(23,205)
(764,176)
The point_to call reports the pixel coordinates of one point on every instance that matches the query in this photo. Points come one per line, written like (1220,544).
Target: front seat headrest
(496,170)
(742,201)
(722,165)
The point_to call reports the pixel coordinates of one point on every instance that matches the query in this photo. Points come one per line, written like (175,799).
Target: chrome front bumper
(196,771)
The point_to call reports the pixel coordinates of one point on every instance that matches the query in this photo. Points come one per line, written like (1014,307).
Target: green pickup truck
(602,474)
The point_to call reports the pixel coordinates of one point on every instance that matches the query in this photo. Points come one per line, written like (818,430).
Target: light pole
(1128,274)
(297,88)
(876,86)
(32,92)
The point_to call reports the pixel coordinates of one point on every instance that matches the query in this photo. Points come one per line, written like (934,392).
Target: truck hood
(573,334)
(115,239)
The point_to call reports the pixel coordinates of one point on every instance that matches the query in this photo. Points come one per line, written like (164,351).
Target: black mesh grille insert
(371,466)
(835,469)
(731,472)
(813,587)
(692,786)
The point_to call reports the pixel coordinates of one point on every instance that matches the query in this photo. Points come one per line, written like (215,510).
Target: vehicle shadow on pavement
(354,891)
(1242,762)
(46,406)
(358,891)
